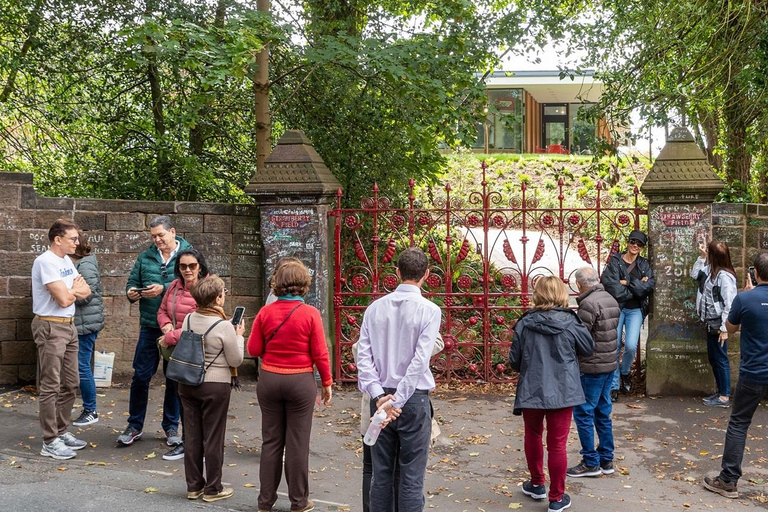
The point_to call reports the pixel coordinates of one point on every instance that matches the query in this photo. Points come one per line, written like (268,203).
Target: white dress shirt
(396,342)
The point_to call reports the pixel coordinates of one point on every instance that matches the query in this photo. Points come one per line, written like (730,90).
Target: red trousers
(558,426)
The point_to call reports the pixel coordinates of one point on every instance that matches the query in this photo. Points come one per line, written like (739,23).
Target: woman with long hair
(289,337)
(546,345)
(717,289)
(177,303)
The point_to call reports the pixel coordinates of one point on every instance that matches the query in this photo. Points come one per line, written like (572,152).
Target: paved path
(664,448)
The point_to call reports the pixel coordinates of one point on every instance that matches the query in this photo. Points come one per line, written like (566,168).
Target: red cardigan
(298,344)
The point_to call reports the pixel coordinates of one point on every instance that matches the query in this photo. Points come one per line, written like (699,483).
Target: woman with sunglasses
(629,279)
(177,302)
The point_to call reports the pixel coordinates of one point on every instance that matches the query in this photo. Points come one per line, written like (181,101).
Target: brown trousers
(287,403)
(205,425)
(59,377)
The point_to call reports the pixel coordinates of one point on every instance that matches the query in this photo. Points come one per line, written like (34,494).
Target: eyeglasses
(73,239)
(636,242)
(188,266)
(226,290)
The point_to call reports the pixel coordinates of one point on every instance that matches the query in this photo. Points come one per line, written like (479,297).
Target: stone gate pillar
(294,194)
(680,188)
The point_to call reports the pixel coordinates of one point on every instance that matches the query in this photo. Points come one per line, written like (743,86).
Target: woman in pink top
(177,302)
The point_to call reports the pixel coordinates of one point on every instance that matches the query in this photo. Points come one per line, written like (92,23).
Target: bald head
(586,278)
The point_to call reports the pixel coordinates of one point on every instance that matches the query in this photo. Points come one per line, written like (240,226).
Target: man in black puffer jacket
(599,312)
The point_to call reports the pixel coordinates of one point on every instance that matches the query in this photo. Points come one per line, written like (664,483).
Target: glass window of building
(582,132)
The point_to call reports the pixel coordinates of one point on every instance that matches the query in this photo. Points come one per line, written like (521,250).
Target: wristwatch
(376,399)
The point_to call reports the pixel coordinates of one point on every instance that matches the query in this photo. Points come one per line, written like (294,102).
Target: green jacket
(148,270)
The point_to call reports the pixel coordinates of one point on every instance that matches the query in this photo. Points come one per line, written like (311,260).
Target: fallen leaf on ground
(515,506)
(249,485)
(634,406)
(150,490)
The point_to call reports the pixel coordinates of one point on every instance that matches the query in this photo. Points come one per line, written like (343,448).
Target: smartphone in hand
(237,317)
(752,276)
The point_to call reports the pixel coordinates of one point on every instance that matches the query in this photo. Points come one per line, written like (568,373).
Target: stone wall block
(9,178)
(9,374)
(730,235)
(44,219)
(203,208)
(219,264)
(20,286)
(246,285)
(245,225)
(211,243)
(27,373)
(125,222)
(7,330)
(133,243)
(247,244)
(728,209)
(9,240)
(89,221)
(102,242)
(28,198)
(120,328)
(246,266)
(116,264)
(217,224)
(186,223)
(13,219)
(16,308)
(24,329)
(16,264)
(34,240)
(55,203)
(113,285)
(10,195)
(18,352)
(115,345)
(121,306)
(120,205)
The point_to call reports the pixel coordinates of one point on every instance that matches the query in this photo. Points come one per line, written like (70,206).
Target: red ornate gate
(484,258)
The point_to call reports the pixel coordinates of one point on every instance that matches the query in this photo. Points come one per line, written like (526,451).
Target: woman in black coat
(547,343)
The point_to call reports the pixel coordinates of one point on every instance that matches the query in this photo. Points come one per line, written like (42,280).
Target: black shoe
(606,466)
(614,395)
(727,489)
(626,384)
(175,454)
(581,469)
(86,418)
(564,503)
(710,397)
(537,492)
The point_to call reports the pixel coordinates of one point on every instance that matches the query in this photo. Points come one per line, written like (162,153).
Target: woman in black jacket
(629,278)
(547,343)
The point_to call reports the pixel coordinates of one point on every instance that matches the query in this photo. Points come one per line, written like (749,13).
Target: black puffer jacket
(599,312)
(544,350)
(637,292)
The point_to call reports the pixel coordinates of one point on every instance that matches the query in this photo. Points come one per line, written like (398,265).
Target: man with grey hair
(150,277)
(599,312)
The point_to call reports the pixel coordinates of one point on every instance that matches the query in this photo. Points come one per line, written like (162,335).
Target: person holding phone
(717,288)
(205,406)
(177,303)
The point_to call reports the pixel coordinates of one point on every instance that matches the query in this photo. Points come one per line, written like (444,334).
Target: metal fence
(485,250)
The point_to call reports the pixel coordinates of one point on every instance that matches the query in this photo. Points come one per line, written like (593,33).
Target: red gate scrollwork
(485,254)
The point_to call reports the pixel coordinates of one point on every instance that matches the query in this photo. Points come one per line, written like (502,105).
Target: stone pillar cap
(293,169)
(681,172)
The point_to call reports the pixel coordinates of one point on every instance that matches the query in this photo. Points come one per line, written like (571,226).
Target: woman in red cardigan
(177,303)
(288,335)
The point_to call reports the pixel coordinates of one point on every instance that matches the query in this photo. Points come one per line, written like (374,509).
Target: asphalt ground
(664,447)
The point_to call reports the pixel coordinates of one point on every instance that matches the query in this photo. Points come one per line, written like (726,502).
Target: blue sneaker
(557,506)
(537,492)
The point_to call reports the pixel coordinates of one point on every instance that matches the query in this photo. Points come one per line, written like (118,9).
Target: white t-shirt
(48,268)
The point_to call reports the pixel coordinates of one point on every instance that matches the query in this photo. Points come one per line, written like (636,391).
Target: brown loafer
(223,494)
(193,495)
(309,506)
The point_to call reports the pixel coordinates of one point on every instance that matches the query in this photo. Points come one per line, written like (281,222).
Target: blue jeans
(84,358)
(745,402)
(595,415)
(630,322)
(411,431)
(718,359)
(144,367)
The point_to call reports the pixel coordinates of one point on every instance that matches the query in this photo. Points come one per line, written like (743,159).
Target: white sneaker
(71,442)
(57,449)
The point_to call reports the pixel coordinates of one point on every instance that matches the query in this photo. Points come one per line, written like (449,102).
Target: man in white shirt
(56,285)
(395,345)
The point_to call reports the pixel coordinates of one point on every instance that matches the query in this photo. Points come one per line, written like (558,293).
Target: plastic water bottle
(374,428)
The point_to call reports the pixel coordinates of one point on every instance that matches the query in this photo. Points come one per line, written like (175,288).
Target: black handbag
(187,363)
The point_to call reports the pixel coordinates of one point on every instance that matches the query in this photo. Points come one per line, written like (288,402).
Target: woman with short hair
(546,345)
(205,406)
(289,337)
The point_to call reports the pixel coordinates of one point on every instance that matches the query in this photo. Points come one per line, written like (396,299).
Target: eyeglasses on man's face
(188,266)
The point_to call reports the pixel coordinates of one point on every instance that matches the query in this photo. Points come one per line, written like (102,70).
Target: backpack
(187,363)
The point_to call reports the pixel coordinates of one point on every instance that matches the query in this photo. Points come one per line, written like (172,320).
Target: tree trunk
(32,27)
(261,100)
(738,159)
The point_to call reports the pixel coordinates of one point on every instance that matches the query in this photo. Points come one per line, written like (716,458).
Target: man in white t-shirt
(56,285)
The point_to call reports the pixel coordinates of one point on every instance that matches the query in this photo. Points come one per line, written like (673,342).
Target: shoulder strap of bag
(173,307)
(279,326)
(222,345)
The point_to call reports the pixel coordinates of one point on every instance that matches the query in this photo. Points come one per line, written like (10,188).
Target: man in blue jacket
(150,277)
(750,312)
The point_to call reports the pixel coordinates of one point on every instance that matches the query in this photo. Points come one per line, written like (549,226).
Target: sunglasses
(188,266)
(163,270)
(636,242)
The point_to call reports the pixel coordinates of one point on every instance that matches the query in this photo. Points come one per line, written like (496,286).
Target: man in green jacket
(150,277)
